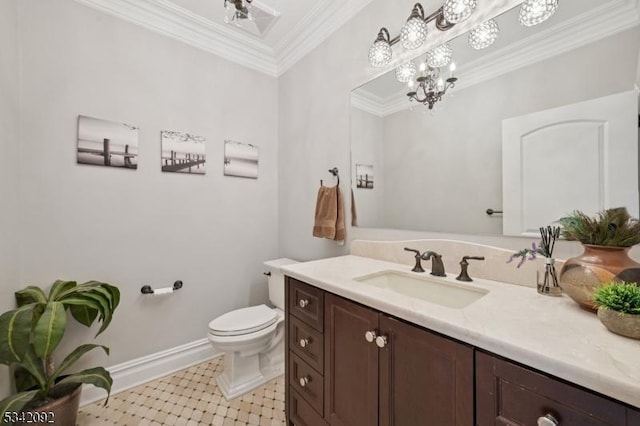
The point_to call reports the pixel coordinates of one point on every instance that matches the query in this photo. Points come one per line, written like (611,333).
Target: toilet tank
(276,280)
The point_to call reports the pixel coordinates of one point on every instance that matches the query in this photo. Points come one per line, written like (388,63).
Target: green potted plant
(606,238)
(619,308)
(29,336)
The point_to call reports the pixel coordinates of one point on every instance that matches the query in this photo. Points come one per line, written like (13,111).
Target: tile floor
(188,397)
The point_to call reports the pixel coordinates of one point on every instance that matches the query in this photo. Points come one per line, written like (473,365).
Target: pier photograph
(240,159)
(183,153)
(364,176)
(106,143)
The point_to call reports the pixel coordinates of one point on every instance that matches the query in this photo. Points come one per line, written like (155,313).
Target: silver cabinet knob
(370,336)
(381,341)
(303,303)
(304,381)
(304,343)
(547,420)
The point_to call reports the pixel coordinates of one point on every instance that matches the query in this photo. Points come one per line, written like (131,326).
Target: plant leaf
(15,402)
(15,330)
(49,329)
(83,314)
(24,380)
(33,365)
(97,376)
(60,287)
(115,294)
(73,357)
(80,300)
(30,294)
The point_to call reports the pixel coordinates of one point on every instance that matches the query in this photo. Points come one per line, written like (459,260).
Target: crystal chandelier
(412,35)
(484,35)
(456,11)
(431,86)
(237,10)
(406,72)
(414,32)
(533,12)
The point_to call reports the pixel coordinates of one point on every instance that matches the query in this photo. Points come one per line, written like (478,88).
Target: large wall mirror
(441,169)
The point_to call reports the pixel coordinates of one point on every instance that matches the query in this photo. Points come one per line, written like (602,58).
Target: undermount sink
(430,289)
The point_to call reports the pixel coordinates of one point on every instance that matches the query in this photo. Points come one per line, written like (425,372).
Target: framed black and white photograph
(106,143)
(364,176)
(183,153)
(240,159)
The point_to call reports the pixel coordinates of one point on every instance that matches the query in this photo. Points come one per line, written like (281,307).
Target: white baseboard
(141,370)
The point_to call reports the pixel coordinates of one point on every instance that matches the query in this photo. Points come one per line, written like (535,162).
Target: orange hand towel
(329,221)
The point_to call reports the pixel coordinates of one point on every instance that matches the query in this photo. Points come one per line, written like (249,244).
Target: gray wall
(448,165)
(9,161)
(128,227)
(367,138)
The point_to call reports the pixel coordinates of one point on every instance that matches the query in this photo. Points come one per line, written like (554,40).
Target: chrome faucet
(437,267)
(418,266)
(464,265)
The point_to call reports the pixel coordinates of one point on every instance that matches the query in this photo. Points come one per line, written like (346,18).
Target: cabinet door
(633,417)
(509,394)
(425,379)
(351,364)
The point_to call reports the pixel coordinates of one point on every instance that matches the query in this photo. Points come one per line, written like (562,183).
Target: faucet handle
(418,266)
(464,265)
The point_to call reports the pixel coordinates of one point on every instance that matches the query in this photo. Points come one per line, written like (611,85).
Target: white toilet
(252,339)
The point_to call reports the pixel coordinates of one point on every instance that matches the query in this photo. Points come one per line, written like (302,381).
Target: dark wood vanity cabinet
(510,394)
(400,374)
(405,376)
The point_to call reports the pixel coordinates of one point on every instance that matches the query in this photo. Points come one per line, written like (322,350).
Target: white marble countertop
(551,334)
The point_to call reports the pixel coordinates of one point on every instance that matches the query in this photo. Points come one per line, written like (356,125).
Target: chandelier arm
(441,23)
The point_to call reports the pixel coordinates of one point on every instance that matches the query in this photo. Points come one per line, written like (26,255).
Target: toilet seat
(243,321)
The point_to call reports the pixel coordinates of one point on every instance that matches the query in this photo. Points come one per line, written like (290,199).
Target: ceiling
(290,13)
(300,27)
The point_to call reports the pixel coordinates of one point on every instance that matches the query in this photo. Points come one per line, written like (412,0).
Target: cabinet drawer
(312,389)
(509,394)
(307,343)
(301,413)
(306,303)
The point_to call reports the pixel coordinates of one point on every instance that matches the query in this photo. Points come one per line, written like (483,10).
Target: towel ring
(334,172)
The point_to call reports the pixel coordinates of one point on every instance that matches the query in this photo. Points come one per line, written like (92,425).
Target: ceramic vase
(597,265)
(623,324)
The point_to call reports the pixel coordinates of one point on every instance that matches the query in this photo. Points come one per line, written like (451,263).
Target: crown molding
(368,102)
(586,28)
(323,19)
(596,24)
(171,20)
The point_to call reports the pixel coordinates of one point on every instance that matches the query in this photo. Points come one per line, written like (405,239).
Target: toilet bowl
(252,339)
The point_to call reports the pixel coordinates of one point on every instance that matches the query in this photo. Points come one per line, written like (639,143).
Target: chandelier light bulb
(406,72)
(533,12)
(484,35)
(423,67)
(456,11)
(413,33)
(440,56)
(380,52)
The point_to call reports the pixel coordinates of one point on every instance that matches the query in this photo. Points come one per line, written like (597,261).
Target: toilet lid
(243,321)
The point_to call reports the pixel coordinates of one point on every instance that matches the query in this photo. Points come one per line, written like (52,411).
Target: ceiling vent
(252,16)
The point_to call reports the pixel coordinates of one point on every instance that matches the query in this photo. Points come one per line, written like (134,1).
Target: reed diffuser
(547,282)
(548,285)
